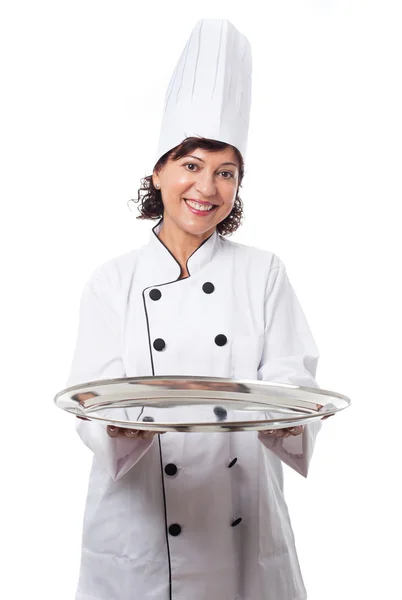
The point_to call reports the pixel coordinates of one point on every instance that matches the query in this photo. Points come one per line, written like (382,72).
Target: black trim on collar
(164,245)
(173,256)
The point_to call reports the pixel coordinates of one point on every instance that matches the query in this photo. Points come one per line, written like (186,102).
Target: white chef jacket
(218,528)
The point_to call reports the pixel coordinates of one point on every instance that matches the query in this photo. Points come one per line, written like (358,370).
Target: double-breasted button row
(159,344)
(156,294)
(176,530)
(171,469)
(208,288)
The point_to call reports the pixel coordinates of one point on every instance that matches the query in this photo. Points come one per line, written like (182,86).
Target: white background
(82,89)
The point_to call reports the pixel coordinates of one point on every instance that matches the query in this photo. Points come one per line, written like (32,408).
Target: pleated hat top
(209,93)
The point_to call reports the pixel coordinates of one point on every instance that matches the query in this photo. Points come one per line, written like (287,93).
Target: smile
(198,207)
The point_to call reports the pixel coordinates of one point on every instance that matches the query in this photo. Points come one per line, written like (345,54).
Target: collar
(167,265)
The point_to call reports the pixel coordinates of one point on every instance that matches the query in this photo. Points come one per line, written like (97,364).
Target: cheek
(174,192)
(229,200)
(224,211)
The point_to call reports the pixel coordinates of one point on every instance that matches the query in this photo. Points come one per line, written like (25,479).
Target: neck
(181,243)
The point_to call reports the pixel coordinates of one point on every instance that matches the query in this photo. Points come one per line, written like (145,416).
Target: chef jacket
(192,515)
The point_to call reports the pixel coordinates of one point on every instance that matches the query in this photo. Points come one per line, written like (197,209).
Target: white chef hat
(209,94)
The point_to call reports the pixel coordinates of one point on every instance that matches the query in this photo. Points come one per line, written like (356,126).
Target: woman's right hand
(142,434)
(115,432)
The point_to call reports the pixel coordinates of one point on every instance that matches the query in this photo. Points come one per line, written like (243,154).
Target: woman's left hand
(283,433)
(287,431)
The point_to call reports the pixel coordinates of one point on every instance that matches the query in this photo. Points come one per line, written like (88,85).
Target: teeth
(203,207)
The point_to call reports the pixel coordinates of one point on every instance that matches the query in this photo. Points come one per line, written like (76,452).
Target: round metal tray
(163,404)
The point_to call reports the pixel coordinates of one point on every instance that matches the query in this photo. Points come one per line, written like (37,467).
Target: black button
(236,522)
(232,463)
(159,344)
(155,294)
(220,412)
(171,469)
(221,339)
(208,287)
(175,529)
(148,419)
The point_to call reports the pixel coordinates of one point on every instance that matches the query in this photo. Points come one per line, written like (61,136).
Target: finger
(131,433)
(296,430)
(112,431)
(145,435)
(280,433)
(327,417)
(276,433)
(267,432)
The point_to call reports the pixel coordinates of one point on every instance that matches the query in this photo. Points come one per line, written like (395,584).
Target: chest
(209,324)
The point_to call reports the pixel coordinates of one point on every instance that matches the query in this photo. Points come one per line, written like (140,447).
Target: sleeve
(98,356)
(289,356)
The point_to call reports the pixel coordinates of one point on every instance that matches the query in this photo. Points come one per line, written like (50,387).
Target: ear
(155,179)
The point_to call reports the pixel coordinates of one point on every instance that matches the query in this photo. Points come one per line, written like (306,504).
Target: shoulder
(252,256)
(114,271)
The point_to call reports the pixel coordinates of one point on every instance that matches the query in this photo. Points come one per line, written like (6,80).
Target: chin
(197,228)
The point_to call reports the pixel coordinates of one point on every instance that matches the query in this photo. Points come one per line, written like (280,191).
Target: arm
(98,356)
(289,356)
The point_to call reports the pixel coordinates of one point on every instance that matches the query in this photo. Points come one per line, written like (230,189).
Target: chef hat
(209,94)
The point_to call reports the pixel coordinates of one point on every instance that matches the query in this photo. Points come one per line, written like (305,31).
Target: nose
(205,184)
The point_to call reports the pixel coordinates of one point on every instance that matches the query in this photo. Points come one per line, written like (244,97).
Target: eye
(190,165)
(229,174)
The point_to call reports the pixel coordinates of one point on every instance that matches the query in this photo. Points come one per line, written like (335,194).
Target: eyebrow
(225,163)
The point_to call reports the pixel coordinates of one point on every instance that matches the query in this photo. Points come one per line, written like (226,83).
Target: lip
(201,213)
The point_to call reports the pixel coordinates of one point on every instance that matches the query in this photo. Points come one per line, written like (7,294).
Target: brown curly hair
(150,198)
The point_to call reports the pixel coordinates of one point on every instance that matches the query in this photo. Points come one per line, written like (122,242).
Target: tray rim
(160,426)
(253,382)
(260,425)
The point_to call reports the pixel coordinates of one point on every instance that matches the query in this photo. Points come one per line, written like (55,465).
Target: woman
(192,515)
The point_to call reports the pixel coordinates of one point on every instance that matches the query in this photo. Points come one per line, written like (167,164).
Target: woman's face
(199,189)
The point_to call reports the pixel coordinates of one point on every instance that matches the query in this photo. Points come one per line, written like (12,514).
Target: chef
(194,516)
